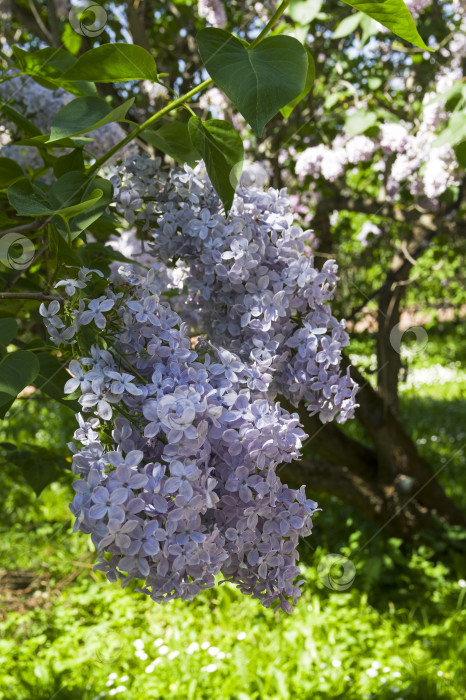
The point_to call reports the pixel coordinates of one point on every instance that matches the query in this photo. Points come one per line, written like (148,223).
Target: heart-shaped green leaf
(43,141)
(85,114)
(112,63)
(52,378)
(260,80)
(454,132)
(221,148)
(38,465)
(61,251)
(394,15)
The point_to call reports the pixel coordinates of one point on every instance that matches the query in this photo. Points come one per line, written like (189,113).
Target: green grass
(396,631)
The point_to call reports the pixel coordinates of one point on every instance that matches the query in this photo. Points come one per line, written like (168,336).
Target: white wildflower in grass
(210,668)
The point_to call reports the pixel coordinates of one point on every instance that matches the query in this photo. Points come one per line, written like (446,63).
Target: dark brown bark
(389,483)
(136,12)
(389,309)
(397,513)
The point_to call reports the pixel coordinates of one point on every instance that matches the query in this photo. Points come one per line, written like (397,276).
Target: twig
(30,226)
(26,295)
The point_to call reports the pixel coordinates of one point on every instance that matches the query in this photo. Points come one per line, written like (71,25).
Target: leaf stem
(155,117)
(275,17)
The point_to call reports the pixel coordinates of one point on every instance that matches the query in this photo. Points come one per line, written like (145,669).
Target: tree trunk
(389,482)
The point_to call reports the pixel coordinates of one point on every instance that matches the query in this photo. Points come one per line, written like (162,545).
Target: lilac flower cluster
(252,285)
(418,164)
(331,162)
(179,450)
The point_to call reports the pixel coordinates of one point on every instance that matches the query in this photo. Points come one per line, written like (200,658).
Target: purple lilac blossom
(198,495)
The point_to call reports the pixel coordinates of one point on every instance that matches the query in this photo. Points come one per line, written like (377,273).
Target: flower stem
(275,17)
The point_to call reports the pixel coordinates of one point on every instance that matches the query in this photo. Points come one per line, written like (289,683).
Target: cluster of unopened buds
(182,439)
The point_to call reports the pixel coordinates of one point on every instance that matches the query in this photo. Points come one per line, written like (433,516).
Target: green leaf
(42,141)
(10,172)
(8,221)
(6,402)
(61,251)
(17,370)
(360,121)
(72,196)
(111,63)
(17,118)
(348,25)
(70,161)
(304,11)
(45,63)
(394,15)
(38,465)
(259,81)
(174,140)
(8,330)
(369,28)
(221,147)
(71,40)
(460,153)
(47,66)
(310,77)
(454,133)
(85,114)
(28,199)
(74,188)
(69,212)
